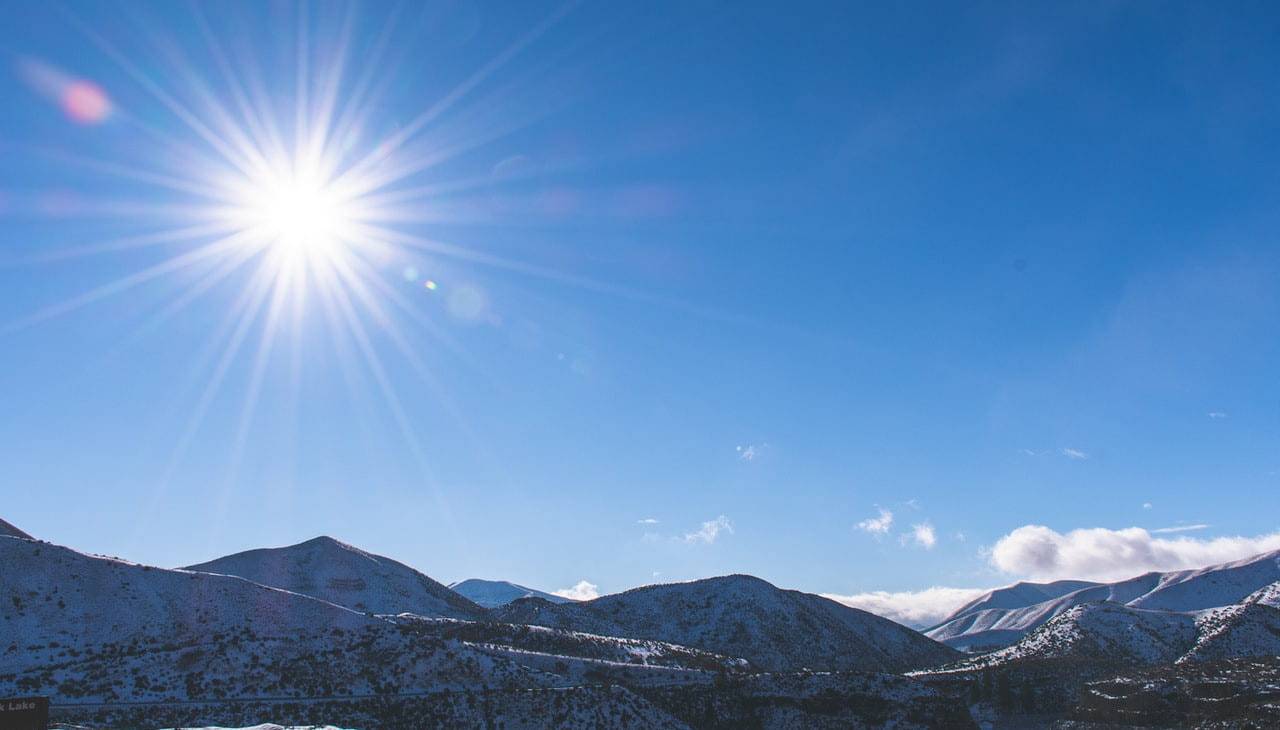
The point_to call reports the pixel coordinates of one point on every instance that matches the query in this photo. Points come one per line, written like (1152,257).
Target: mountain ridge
(741,615)
(982,623)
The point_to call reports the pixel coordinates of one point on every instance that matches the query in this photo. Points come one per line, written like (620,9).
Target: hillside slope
(7,529)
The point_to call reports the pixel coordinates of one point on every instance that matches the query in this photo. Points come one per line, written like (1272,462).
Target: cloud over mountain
(1041,553)
(582,591)
(912,608)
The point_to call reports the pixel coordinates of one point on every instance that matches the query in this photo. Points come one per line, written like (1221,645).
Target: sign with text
(24,713)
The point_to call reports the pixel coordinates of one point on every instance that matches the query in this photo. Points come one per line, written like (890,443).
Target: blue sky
(753,274)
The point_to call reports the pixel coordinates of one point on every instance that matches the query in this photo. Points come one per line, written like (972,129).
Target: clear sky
(871,297)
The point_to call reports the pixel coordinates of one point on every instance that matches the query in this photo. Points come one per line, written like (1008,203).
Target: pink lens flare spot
(85,102)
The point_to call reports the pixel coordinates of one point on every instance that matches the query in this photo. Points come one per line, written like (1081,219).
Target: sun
(298,213)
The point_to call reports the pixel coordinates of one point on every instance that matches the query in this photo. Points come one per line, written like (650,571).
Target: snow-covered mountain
(339,573)
(1002,617)
(742,616)
(494,593)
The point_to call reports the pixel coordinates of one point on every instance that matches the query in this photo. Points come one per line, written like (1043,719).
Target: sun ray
(168,266)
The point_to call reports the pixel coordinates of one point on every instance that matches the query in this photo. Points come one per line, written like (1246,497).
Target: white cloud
(710,530)
(1217,415)
(1038,552)
(924,536)
(1146,505)
(1075,454)
(913,608)
(877,525)
(1179,528)
(751,452)
(647,521)
(583,591)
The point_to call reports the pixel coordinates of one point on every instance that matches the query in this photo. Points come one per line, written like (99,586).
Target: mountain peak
(335,571)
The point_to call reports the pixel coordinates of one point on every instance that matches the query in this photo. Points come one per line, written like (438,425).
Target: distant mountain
(1019,595)
(494,593)
(339,573)
(742,616)
(11,531)
(1002,617)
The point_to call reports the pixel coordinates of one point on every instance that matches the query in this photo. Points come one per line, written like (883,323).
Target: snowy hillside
(745,617)
(1106,632)
(997,619)
(494,593)
(339,573)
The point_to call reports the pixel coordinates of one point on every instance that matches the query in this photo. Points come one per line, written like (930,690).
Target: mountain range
(323,632)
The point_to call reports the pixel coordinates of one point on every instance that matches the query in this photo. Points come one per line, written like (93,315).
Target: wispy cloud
(877,525)
(923,535)
(1041,553)
(583,591)
(1146,505)
(1217,415)
(710,530)
(913,608)
(751,452)
(1075,454)
(1180,528)
(647,521)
